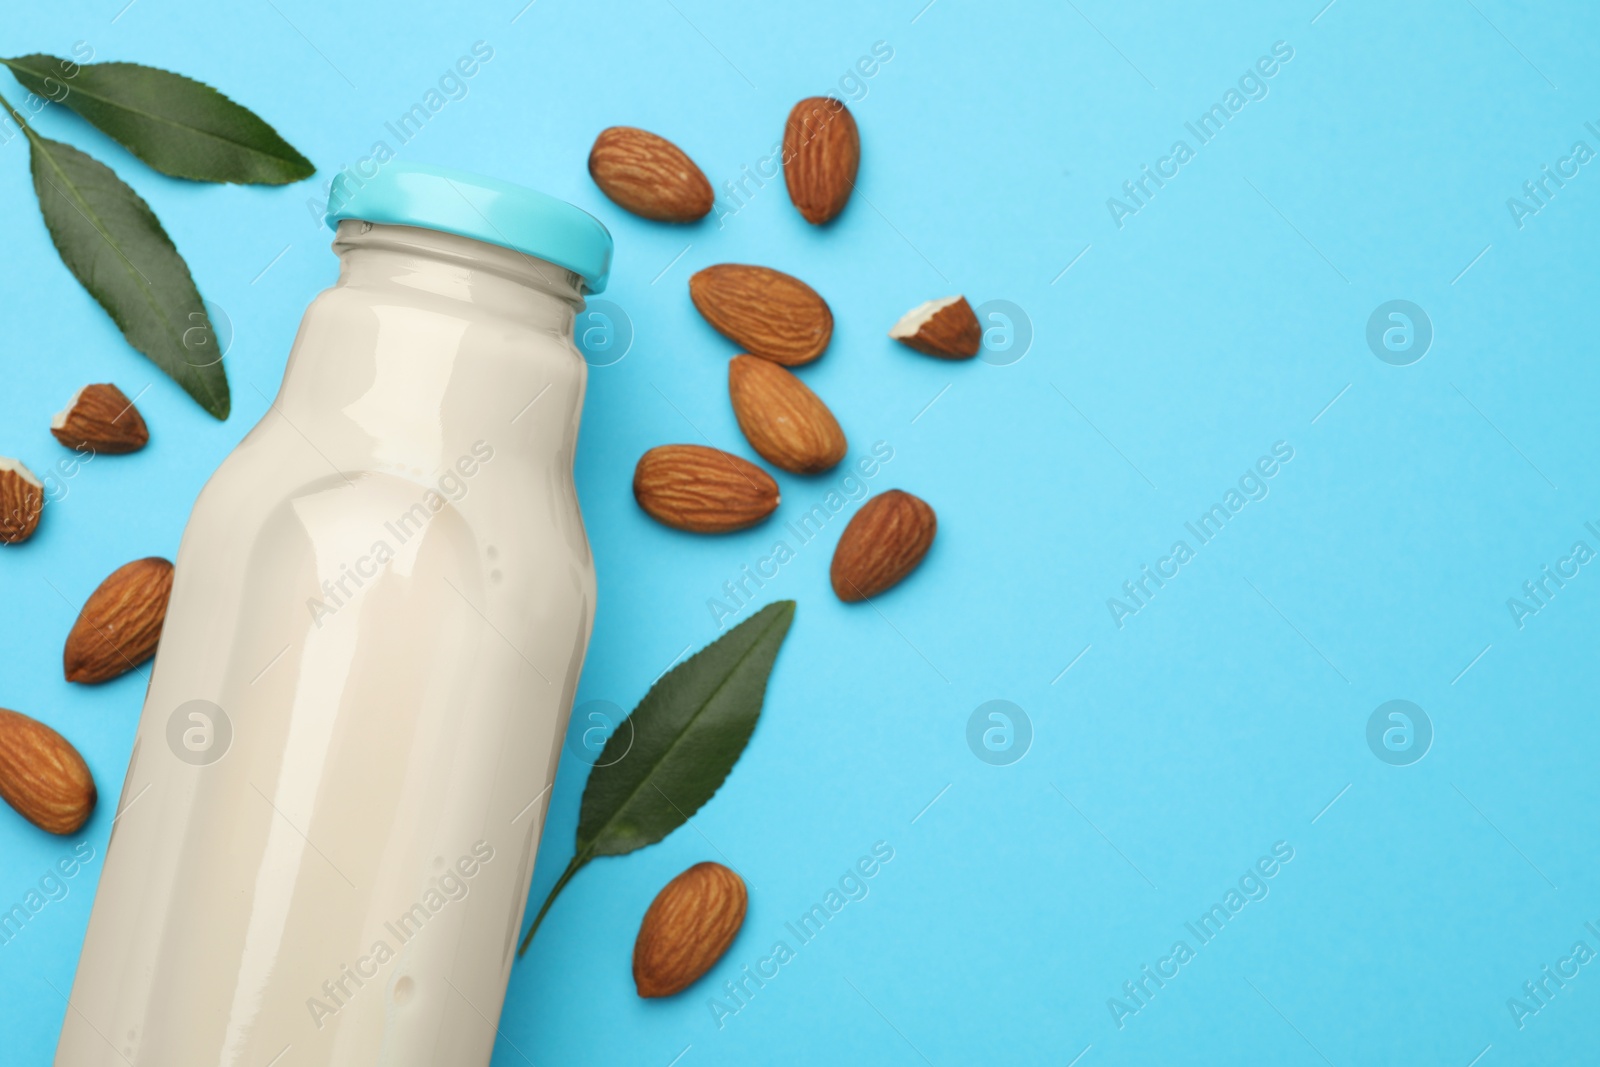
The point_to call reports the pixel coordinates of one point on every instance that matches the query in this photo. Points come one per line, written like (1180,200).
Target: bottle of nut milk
(381,606)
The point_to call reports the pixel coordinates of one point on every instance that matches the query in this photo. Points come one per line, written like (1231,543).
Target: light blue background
(1223,317)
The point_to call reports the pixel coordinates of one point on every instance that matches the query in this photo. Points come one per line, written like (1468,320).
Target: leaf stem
(573,868)
(21,122)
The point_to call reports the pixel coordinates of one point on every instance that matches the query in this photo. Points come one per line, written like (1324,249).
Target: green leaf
(177,125)
(675,750)
(687,733)
(115,246)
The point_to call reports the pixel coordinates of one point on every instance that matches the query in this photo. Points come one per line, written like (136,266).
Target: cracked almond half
(945,328)
(101,419)
(21,502)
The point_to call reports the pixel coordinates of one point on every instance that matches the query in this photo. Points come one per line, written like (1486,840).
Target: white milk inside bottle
(382,600)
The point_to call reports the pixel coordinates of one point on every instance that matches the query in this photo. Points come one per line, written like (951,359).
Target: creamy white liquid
(387,591)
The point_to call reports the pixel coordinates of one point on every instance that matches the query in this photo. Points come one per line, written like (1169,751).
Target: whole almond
(784,421)
(21,502)
(689,926)
(884,542)
(120,622)
(764,311)
(945,328)
(703,490)
(821,154)
(101,419)
(43,776)
(649,175)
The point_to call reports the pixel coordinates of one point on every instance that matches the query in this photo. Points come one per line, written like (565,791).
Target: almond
(21,502)
(649,175)
(703,490)
(100,419)
(764,311)
(783,420)
(884,542)
(821,154)
(945,328)
(120,623)
(43,776)
(689,926)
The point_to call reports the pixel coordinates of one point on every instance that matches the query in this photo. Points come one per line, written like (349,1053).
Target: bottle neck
(495,280)
(430,341)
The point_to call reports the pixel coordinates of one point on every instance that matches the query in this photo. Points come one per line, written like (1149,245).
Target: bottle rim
(482,208)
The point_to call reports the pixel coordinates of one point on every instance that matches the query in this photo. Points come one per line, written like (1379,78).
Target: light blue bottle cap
(485,209)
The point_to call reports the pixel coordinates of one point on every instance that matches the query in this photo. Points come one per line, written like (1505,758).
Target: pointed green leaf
(115,246)
(177,125)
(675,750)
(685,736)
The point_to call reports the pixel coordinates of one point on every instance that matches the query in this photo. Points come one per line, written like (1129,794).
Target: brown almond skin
(953,333)
(688,927)
(21,504)
(649,175)
(821,154)
(103,420)
(702,490)
(766,312)
(120,622)
(784,421)
(884,542)
(43,776)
